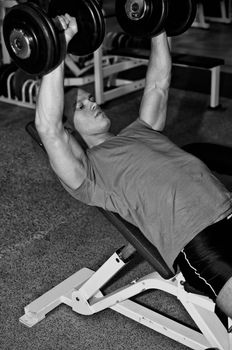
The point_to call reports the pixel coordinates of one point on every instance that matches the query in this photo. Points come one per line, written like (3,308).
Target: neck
(95,140)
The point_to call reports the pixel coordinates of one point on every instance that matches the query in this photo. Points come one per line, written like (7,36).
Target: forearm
(50,103)
(153,107)
(159,67)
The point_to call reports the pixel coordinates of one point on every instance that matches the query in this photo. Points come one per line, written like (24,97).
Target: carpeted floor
(46,235)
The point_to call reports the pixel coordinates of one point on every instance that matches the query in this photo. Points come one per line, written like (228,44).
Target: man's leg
(206,263)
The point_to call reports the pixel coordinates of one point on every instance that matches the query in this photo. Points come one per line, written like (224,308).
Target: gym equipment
(150,17)
(181,15)
(217,10)
(5,71)
(82,290)
(22,85)
(141,17)
(212,64)
(35,40)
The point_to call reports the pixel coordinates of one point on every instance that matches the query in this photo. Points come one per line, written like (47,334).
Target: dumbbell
(35,40)
(150,17)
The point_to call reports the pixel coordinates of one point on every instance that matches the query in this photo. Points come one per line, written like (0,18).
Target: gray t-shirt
(167,193)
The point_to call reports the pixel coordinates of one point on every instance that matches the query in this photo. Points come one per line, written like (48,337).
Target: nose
(93,106)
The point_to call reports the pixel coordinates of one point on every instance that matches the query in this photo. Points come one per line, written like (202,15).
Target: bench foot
(216,108)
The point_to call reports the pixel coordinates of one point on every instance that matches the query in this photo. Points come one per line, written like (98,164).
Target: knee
(224,298)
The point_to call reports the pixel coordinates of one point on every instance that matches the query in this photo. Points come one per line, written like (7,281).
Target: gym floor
(46,235)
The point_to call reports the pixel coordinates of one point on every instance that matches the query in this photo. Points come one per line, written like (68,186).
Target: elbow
(42,127)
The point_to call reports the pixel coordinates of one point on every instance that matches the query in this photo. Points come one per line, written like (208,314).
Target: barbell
(36,42)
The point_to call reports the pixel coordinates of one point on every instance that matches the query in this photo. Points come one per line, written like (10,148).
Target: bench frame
(82,292)
(121,87)
(215,72)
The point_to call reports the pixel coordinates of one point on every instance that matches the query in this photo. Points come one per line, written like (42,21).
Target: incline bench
(82,290)
(186,60)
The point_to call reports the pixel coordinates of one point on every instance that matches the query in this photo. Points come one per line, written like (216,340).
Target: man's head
(84,114)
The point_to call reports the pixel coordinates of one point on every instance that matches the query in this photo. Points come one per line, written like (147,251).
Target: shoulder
(138,124)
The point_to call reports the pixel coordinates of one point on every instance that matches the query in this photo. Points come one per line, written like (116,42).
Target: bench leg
(200,18)
(215,87)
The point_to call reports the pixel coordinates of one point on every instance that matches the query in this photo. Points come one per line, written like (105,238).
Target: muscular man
(169,194)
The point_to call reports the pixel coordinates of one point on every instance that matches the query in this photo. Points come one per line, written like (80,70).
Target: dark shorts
(206,261)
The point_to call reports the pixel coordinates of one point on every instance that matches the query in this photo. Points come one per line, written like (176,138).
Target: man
(169,194)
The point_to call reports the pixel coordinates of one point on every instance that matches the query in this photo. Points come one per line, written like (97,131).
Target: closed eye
(79,106)
(91,98)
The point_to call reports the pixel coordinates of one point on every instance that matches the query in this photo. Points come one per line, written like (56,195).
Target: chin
(108,124)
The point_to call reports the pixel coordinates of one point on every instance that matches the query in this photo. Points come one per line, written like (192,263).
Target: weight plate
(20,78)
(141,17)
(28,38)
(90,21)
(181,15)
(124,40)
(57,44)
(115,42)
(5,71)
(43,4)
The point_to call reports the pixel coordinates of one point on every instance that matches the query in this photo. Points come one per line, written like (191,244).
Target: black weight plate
(124,40)
(90,21)
(5,71)
(181,15)
(149,23)
(26,18)
(115,42)
(43,4)
(57,45)
(19,79)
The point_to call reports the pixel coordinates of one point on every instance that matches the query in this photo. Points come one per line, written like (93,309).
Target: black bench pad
(197,61)
(177,58)
(143,246)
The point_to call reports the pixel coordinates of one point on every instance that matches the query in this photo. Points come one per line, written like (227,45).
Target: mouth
(98,114)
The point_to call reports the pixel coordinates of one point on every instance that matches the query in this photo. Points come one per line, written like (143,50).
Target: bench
(82,291)
(206,63)
(185,60)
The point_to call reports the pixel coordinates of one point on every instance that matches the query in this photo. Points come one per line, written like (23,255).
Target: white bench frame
(215,72)
(82,292)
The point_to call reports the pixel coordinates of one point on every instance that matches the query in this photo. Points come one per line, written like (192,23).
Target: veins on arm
(154,101)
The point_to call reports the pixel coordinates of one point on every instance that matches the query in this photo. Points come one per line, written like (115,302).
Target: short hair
(70,98)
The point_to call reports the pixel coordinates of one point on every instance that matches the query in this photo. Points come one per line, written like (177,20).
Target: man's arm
(64,152)
(153,107)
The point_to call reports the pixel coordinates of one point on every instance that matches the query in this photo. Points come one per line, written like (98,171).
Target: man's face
(88,117)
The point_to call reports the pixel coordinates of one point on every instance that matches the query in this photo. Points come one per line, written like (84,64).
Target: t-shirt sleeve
(88,192)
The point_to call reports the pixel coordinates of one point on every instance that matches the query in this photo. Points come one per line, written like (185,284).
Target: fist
(68,24)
